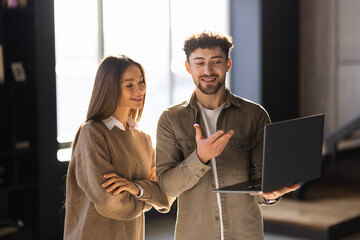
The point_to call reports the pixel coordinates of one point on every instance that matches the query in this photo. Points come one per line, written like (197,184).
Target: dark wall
(51,178)
(31,178)
(280,58)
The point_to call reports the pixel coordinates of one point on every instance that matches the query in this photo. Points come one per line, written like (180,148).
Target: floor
(162,228)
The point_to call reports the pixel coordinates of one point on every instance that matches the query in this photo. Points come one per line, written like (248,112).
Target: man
(213,140)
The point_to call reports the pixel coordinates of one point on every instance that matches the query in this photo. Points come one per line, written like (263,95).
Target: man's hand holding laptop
(277,193)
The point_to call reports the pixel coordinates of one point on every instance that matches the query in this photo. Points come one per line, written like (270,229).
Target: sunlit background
(152,35)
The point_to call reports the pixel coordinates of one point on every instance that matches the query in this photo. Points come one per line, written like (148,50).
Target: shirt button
(202,170)
(217,218)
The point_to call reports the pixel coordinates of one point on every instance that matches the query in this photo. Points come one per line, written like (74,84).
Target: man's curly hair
(207,40)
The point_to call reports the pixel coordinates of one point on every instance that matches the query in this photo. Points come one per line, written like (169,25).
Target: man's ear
(187,66)
(228,64)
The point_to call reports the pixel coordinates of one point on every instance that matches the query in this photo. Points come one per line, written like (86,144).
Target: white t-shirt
(210,117)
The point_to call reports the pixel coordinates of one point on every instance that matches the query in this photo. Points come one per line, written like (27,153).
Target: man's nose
(208,69)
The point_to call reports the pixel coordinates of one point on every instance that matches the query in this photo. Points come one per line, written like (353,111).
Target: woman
(110,176)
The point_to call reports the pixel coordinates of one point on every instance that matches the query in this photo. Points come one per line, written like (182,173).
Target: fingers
(223,140)
(271,195)
(119,190)
(110,175)
(295,187)
(119,186)
(152,176)
(198,133)
(216,136)
(220,142)
(208,148)
(290,189)
(112,181)
(278,193)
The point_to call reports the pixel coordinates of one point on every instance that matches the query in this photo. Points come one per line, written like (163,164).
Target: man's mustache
(212,75)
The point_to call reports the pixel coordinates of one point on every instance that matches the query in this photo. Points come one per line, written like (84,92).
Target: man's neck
(211,101)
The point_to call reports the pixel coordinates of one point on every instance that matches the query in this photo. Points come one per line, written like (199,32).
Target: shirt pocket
(241,144)
(238,158)
(187,146)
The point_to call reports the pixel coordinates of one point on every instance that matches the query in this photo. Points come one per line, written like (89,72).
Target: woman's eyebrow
(128,80)
(131,79)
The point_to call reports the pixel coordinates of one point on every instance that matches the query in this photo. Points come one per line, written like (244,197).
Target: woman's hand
(118,184)
(152,176)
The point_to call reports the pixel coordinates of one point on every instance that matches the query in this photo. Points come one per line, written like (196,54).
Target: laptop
(292,153)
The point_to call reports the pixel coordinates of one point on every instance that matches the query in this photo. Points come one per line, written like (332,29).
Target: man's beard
(208,90)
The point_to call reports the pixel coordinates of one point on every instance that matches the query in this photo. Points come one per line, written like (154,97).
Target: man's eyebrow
(198,58)
(217,57)
(201,58)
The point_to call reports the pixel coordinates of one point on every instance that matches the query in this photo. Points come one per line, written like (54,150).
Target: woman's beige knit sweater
(91,212)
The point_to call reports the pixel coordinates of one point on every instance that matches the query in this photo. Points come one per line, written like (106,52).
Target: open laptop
(292,154)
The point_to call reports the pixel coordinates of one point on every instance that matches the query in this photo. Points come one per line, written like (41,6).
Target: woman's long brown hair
(106,92)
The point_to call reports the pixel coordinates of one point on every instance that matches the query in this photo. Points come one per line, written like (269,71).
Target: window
(187,17)
(150,32)
(142,35)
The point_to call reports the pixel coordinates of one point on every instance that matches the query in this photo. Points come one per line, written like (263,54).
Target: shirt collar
(111,122)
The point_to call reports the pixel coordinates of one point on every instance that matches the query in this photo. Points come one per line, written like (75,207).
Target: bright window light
(153,38)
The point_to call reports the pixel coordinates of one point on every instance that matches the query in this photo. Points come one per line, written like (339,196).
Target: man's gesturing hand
(211,147)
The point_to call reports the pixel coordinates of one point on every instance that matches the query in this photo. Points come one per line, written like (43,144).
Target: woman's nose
(141,89)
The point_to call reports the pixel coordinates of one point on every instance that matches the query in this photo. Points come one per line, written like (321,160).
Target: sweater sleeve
(175,174)
(152,194)
(93,161)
